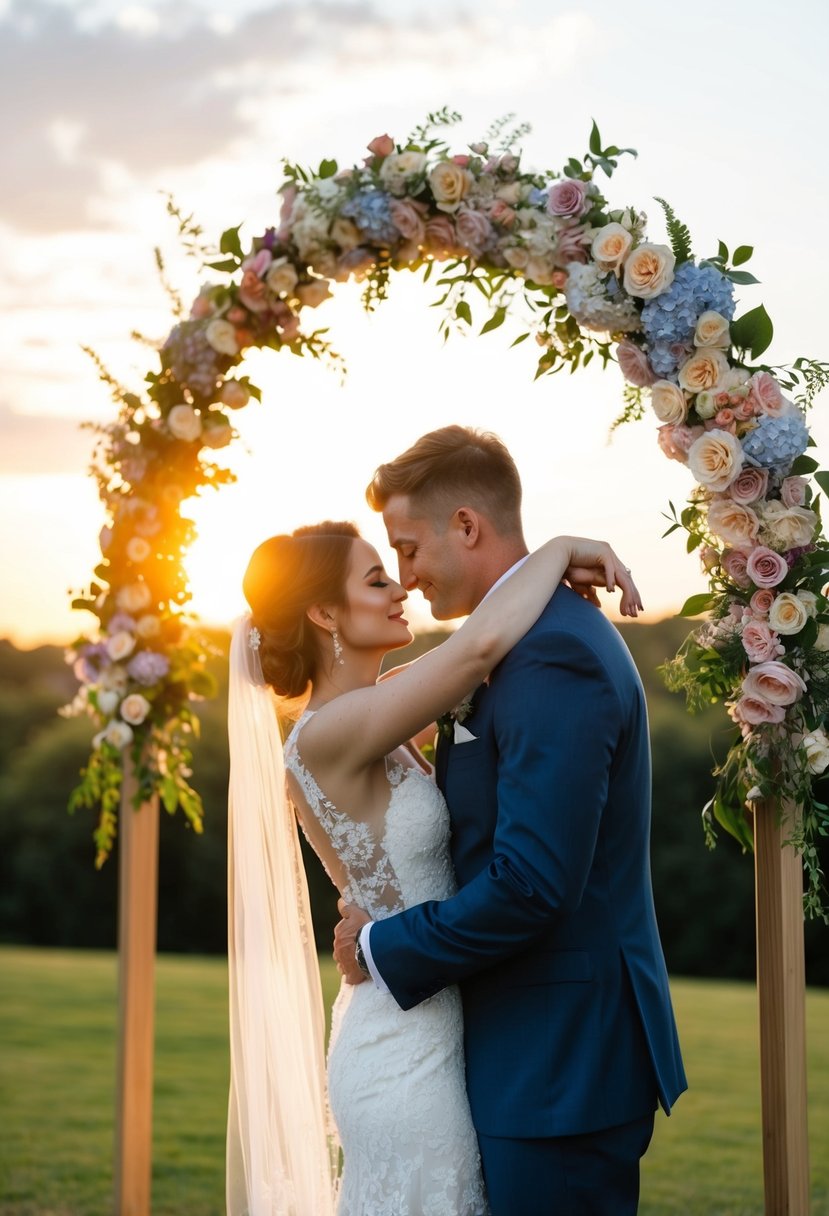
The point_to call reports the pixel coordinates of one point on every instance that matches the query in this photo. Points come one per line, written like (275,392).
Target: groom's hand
(345,941)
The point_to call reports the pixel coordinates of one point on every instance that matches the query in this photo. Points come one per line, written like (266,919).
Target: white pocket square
(462,735)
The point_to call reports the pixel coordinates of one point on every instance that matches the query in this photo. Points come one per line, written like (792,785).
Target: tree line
(51,895)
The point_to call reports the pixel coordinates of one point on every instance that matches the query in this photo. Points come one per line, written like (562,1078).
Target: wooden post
(781,989)
(137,907)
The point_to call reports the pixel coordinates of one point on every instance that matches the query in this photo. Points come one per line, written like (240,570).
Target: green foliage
(678,234)
(753,331)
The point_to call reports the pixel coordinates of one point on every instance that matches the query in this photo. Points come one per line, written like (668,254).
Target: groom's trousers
(588,1175)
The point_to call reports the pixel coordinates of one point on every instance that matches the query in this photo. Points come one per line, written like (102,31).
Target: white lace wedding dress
(396,1080)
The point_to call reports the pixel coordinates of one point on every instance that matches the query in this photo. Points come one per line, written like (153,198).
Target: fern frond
(678,233)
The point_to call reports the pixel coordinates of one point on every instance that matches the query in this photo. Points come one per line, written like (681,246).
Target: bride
(323,614)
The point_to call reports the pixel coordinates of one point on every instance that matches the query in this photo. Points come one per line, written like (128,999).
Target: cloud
(79,102)
(90,110)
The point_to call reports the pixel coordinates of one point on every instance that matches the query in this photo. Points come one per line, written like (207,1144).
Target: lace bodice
(384,864)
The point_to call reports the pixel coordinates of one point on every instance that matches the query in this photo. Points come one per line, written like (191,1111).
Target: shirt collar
(507,574)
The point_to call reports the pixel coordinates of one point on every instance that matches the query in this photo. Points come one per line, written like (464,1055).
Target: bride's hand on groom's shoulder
(595,564)
(345,941)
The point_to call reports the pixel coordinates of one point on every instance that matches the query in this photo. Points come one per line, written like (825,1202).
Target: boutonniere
(446,722)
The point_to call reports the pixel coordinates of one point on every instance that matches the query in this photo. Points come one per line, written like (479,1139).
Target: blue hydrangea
(670,318)
(776,442)
(371,212)
(148,667)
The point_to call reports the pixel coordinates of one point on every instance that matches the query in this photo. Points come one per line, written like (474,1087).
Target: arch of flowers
(591,282)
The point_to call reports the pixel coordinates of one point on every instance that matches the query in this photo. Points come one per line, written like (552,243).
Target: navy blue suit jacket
(552,935)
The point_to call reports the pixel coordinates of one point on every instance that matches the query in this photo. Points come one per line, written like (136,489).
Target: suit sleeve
(557,720)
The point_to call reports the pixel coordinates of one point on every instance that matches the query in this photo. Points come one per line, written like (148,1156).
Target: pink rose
(237,316)
(766,568)
(568,197)
(709,558)
(734,563)
(749,485)
(754,711)
(676,441)
(760,642)
(407,218)
(289,194)
(381,145)
(793,491)
(766,394)
(634,364)
(439,237)
(501,213)
(461,159)
(774,682)
(761,601)
(474,231)
(724,419)
(572,245)
(559,279)
(202,306)
(744,411)
(253,292)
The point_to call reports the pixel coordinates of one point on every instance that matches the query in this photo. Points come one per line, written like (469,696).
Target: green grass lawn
(57,1062)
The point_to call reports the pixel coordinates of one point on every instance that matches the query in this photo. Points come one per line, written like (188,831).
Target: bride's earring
(338,650)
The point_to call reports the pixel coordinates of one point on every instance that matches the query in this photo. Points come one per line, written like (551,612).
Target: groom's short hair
(452,467)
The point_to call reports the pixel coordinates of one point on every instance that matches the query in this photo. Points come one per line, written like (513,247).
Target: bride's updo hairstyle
(285,576)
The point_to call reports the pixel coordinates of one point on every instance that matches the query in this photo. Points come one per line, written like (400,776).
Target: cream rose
(184,423)
(107,700)
(135,708)
(668,402)
(345,233)
(120,645)
(774,682)
(282,277)
(703,369)
(809,601)
(133,597)
(715,459)
(311,295)
(788,614)
(735,524)
(397,170)
(712,330)
(822,639)
(611,246)
(649,270)
(149,626)
(816,747)
(118,734)
(222,337)
(115,678)
(217,430)
(787,527)
(234,395)
(450,185)
(138,549)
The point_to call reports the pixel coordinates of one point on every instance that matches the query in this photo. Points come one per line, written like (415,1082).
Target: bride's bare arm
(360,727)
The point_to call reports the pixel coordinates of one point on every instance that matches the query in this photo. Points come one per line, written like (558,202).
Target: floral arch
(591,283)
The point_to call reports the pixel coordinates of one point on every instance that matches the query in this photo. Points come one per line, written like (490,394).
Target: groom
(569,1033)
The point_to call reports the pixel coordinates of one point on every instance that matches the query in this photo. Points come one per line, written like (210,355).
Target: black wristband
(361,958)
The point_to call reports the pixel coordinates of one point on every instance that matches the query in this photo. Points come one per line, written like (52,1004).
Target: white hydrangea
(592,307)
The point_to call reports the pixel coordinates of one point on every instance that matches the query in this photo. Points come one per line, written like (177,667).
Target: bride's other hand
(595,564)
(345,940)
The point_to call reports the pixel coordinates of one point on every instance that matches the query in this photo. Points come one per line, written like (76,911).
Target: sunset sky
(104,106)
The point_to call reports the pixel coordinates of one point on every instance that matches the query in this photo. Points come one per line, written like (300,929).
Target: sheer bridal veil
(279,1151)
